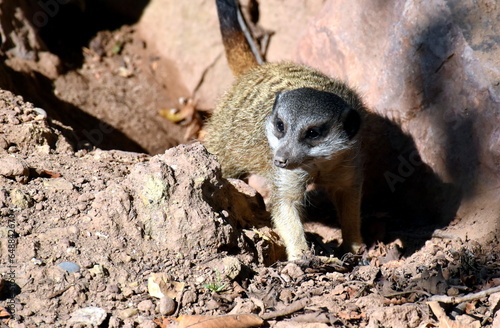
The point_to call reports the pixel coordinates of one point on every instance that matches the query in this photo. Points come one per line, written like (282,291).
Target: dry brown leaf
(51,174)
(352,292)
(394,264)
(350,315)
(494,282)
(470,307)
(339,289)
(223,321)
(185,114)
(4,315)
(287,310)
(163,322)
(444,321)
(396,301)
(313,317)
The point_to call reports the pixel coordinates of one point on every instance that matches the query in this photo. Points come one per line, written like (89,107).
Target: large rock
(185,205)
(432,67)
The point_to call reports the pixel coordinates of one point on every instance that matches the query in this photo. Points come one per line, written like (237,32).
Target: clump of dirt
(121,239)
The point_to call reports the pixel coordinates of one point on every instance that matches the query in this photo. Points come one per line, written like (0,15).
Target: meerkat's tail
(240,53)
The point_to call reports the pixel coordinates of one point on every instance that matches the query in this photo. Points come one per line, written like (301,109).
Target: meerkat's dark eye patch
(313,133)
(280,126)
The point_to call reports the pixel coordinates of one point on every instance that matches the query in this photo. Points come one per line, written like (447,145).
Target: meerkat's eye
(280,126)
(313,133)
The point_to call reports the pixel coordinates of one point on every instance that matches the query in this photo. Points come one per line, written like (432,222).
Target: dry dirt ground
(110,238)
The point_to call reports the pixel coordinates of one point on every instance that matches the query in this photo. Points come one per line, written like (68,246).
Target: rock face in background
(187,32)
(287,20)
(432,67)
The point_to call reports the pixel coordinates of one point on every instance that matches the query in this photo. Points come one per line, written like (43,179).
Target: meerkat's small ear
(351,121)
(276,99)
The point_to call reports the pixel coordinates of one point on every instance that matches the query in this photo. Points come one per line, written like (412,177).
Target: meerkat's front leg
(348,202)
(288,202)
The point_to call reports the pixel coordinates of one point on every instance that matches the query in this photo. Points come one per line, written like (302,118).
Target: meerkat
(294,126)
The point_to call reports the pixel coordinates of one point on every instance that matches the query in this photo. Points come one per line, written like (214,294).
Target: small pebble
(13,149)
(81,206)
(72,251)
(70,266)
(72,212)
(86,263)
(127,292)
(13,120)
(114,322)
(145,305)
(212,305)
(127,313)
(20,199)
(39,197)
(58,184)
(41,112)
(36,261)
(5,211)
(293,270)
(3,143)
(73,230)
(92,316)
(189,297)
(43,149)
(148,324)
(13,167)
(232,267)
(113,288)
(167,305)
(97,269)
(452,291)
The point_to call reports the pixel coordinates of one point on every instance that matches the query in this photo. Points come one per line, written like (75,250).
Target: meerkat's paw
(307,259)
(354,248)
(302,259)
(330,260)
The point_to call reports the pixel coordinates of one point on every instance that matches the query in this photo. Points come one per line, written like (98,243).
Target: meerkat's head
(308,126)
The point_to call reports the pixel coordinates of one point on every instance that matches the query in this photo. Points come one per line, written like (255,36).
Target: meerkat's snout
(281,161)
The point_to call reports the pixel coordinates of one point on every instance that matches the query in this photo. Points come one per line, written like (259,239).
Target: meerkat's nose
(281,162)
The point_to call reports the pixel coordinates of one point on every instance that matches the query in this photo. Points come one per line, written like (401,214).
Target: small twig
(179,302)
(249,37)
(438,312)
(407,292)
(292,308)
(60,292)
(314,317)
(466,298)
